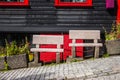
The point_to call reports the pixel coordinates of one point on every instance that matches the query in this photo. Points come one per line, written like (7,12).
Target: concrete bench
(87,35)
(47,39)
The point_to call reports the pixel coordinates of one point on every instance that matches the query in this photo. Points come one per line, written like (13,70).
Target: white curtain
(79,0)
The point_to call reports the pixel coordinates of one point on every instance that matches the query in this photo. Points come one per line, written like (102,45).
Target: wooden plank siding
(42,16)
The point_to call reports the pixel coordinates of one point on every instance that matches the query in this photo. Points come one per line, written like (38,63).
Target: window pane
(11,0)
(79,0)
(73,0)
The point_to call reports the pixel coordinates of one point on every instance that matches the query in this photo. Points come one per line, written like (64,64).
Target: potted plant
(17,55)
(2,58)
(113,40)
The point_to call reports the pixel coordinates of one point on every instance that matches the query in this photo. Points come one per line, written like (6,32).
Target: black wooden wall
(42,16)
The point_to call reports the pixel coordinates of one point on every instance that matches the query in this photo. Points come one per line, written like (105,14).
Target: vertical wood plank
(73,49)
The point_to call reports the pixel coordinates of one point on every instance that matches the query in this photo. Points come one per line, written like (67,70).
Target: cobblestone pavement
(97,69)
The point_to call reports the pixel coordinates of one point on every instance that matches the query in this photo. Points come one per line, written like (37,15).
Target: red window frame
(58,3)
(25,3)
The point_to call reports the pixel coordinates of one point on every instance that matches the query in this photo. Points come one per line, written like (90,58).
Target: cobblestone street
(97,69)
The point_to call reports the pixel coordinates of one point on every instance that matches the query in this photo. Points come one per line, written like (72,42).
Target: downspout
(118,12)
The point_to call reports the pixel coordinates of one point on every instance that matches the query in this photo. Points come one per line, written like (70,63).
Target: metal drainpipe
(118,12)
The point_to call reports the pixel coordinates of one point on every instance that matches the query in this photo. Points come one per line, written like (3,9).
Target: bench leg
(96,55)
(73,49)
(57,57)
(35,62)
(36,57)
(73,52)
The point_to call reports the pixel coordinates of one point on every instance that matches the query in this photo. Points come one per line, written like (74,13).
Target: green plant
(106,55)
(13,49)
(2,55)
(6,66)
(2,51)
(74,60)
(114,33)
(24,48)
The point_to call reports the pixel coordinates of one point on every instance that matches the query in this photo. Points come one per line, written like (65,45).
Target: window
(71,3)
(14,3)
(72,0)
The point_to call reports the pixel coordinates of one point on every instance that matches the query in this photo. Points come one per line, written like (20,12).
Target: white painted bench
(87,35)
(48,39)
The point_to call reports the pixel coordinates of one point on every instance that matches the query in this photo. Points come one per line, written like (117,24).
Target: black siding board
(56,29)
(42,16)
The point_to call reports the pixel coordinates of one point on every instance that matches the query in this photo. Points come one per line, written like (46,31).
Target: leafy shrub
(114,33)
(13,49)
(2,51)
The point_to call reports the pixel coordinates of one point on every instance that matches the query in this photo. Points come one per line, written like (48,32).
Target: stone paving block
(2,74)
(33,76)
(70,76)
(14,74)
(107,70)
(92,76)
(17,75)
(51,76)
(28,78)
(106,78)
(9,75)
(102,74)
(88,73)
(37,77)
(83,70)
(24,79)
(78,75)
(97,72)
(118,77)
(42,77)
(101,78)
(112,77)
(89,79)
(24,73)
(19,79)
(5,74)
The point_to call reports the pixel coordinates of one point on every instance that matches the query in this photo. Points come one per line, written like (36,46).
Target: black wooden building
(42,16)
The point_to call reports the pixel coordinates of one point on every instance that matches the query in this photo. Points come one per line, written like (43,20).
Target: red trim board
(25,3)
